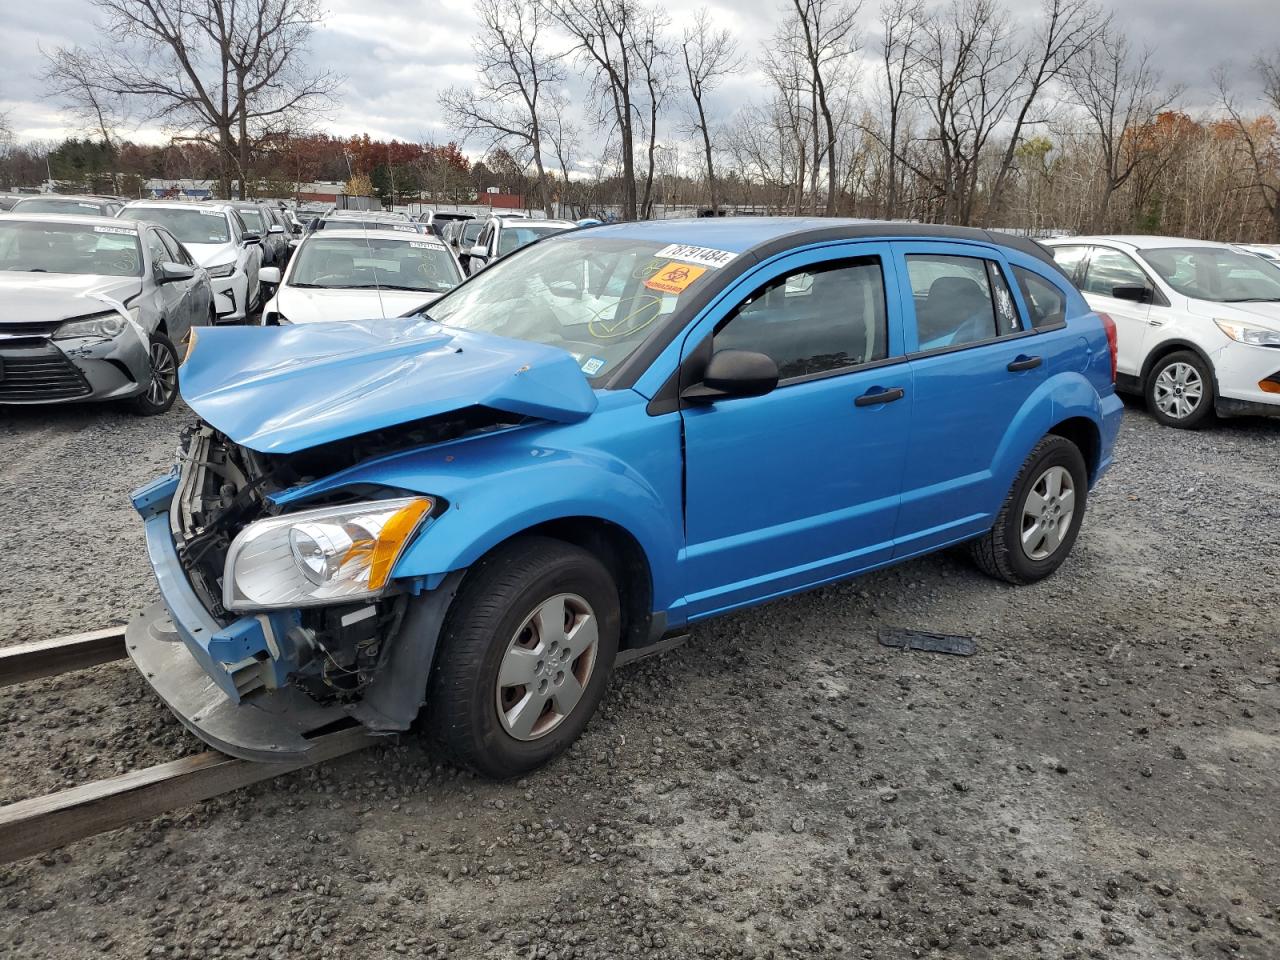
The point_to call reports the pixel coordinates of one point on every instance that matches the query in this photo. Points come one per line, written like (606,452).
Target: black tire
(152,401)
(499,594)
(1000,552)
(1163,406)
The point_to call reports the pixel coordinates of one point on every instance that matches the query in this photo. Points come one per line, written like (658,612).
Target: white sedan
(1197,323)
(219,240)
(359,275)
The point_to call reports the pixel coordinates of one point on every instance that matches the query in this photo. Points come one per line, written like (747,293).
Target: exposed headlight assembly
(220,270)
(106,325)
(1247,333)
(317,557)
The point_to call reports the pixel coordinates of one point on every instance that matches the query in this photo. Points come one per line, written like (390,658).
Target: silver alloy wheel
(1178,390)
(164,375)
(1047,513)
(547,666)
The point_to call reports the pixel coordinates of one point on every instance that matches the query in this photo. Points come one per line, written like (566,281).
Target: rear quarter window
(1045,300)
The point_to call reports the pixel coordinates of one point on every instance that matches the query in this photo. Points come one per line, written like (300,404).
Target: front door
(799,486)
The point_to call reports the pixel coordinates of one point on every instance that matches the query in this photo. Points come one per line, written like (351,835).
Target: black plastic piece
(872,398)
(927,642)
(734,373)
(1024,363)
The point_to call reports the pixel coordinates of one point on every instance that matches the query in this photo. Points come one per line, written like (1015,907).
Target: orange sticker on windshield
(674,277)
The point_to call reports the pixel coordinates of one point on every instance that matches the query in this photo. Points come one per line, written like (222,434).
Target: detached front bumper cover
(218,680)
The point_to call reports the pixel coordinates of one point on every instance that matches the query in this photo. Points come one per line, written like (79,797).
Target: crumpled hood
(283,389)
(301,305)
(1263,313)
(50,297)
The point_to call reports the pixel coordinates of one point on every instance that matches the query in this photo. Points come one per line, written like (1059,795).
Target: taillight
(1110,326)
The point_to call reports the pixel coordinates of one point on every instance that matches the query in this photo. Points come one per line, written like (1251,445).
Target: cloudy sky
(396,56)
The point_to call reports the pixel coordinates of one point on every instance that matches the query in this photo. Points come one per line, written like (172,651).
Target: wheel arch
(1176,345)
(621,553)
(1085,434)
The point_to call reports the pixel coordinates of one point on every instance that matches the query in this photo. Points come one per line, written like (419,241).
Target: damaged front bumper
(230,684)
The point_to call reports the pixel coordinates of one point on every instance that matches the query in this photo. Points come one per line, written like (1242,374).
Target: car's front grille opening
(34,375)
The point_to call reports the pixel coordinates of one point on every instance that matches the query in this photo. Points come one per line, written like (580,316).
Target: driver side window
(822,318)
(156,251)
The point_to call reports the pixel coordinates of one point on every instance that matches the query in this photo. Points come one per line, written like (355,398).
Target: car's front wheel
(162,388)
(526,651)
(1180,390)
(1040,519)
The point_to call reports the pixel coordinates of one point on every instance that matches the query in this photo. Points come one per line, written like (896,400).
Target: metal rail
(33,826)
(48,658)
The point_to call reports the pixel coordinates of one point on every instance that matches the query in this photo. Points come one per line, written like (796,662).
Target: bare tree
(653,61)
(1260,138)
(223,72)
(965,82)
(70,76)
(900,21)
(709,56)
(602,31)
(1120,91)
(1068,29)
(516,76)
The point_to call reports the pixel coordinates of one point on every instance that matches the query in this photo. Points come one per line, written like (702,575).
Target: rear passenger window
(959,300)
(822,318)
(1045,302)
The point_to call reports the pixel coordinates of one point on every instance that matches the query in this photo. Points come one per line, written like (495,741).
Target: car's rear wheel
(162,388)
(1179,391)
(526,651)
(1040,519)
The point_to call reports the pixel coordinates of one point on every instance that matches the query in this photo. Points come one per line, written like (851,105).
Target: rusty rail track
(30,827)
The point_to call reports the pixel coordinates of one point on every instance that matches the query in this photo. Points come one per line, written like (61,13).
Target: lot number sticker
(122,230)
(674,278)
(706,256)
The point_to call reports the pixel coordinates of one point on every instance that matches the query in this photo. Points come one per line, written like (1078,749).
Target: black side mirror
(1136,292)
(249,238)
(734,373)
(170,272)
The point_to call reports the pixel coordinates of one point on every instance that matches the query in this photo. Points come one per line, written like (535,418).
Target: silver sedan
(95,308)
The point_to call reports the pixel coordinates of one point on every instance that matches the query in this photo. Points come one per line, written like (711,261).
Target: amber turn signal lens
(394,535)
(1269,386)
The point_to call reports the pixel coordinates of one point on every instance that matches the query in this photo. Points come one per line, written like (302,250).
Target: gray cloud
(397,57)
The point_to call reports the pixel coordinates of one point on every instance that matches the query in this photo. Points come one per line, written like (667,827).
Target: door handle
(1154,322)
(879,395)
(1023,362)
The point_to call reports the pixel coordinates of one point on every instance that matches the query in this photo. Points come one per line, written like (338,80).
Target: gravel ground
(1099,780)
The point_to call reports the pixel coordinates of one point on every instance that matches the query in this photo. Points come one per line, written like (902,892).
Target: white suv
(1198,323)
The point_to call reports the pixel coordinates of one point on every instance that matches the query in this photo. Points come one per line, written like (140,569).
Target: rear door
(974,363)
(1105,270)
(801,485)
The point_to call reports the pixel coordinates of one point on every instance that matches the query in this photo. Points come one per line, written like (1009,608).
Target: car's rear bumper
(1112,415)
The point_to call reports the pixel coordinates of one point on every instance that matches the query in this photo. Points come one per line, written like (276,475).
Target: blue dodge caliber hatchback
(604,438)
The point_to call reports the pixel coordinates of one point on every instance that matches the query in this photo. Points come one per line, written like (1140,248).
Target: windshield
(42,247)
(597,299)
(375,262)
(1211,273)
(513,238)
(189,226)
(58,205)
